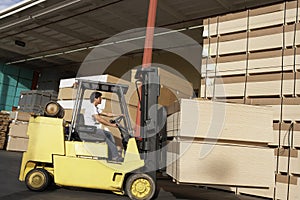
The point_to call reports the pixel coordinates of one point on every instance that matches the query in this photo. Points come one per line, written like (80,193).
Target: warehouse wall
(49,78)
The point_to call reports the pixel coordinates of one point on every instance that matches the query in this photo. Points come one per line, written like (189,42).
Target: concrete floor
(12,189)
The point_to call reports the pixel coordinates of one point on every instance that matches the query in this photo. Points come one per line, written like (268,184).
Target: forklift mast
(148,144)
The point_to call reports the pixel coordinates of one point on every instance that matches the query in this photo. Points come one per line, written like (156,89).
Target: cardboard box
(20,116)
(18,129)
(17,144)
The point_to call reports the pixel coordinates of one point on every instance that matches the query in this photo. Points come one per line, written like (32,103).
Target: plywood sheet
(272,18)
(18,129)
(289,161)
(259,18)
(266,193)
(222,165)
(289,112)
(258,62)
(178,85)
(265,40)
(215,120)
(287,139)
(261,88)
(283,189)
(17,144)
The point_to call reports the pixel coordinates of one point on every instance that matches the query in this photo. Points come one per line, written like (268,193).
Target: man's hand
(114,125)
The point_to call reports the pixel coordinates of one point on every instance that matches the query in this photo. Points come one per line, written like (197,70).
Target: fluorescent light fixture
(34,58)
(15,62)
(101,45)
(21,8)
(54,54)
(195,27)
(76,50)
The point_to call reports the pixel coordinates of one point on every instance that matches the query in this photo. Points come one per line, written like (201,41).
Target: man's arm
(106,114)
(104,121)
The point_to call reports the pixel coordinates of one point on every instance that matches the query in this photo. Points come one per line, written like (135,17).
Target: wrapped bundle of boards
(251,57)
(221,144)
(4,127)
(17,136)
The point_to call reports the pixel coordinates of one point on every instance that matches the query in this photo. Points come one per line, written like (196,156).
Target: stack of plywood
(252,57)
(221,144)
(173,87)
(67,95)
(17,136)
(4,124)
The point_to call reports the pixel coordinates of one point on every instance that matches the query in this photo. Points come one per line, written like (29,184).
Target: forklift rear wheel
(140,187)
(37,179)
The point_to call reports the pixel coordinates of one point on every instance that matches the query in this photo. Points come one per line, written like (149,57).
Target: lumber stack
(251,57)
(220,144)
(4,127)
(67,95)
(17,136)
(173,87)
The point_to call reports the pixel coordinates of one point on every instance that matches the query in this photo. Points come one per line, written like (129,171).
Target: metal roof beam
(101,27)
(225,4)
(162,5)
(67,31)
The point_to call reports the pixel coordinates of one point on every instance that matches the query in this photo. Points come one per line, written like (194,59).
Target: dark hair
(95,95)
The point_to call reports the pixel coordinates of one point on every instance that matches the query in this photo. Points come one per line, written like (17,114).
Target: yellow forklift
(77,157)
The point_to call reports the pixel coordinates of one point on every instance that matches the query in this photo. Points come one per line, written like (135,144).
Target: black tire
(140,187)
(37,179)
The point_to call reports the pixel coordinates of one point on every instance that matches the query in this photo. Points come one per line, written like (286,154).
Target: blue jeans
(109,139)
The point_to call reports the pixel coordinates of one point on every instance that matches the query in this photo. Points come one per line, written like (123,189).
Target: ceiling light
(20,43)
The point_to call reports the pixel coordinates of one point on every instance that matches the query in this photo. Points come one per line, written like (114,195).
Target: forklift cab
(79,131)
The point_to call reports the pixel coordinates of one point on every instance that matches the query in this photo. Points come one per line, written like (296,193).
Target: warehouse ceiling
(46,33)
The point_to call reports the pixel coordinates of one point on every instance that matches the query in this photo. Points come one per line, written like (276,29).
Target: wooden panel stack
(173,87)
(17,136)
(252,57)
(220,144)
(4,126)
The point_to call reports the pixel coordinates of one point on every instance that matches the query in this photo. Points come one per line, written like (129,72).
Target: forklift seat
(88,133)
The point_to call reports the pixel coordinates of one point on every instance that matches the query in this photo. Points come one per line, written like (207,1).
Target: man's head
(96,96)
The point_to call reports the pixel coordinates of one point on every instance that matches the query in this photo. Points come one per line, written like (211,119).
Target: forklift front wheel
(140,187)
(37,179)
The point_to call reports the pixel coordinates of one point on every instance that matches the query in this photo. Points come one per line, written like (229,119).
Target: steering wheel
(124,132)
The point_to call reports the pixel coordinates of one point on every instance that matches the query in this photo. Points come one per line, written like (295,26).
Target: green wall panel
(24,83)
(26,73)
(11,70)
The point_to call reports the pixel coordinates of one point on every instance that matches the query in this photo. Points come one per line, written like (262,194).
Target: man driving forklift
(93,116)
